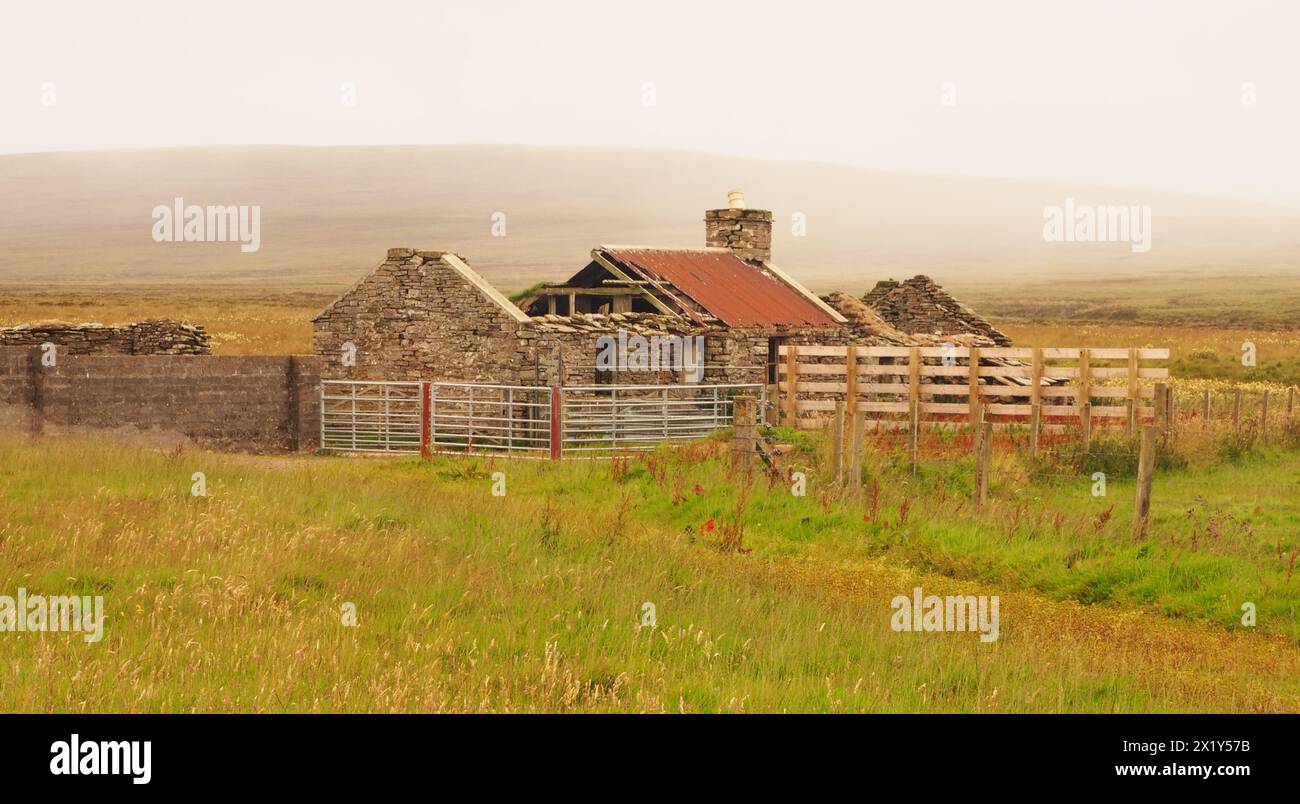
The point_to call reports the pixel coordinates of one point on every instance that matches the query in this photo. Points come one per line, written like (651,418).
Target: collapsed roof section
(708,286)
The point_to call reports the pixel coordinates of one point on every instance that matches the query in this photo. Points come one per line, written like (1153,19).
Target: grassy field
(764,601)
(533,601)
(1205,299)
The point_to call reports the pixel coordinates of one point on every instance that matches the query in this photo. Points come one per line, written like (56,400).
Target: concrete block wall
(17,390)
(246,403)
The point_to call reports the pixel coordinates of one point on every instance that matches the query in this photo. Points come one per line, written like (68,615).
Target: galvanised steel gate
(370,416)
(517,420)
(510,420)
(608,419)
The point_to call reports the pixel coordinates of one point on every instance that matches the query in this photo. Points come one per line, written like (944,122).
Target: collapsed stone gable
(153,337)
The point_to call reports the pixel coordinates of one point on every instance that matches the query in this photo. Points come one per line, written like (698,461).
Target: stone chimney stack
(748,232)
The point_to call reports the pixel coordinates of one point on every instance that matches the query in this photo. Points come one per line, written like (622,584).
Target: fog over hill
(328,214)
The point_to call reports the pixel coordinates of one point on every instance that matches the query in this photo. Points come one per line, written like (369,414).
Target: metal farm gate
(608,419)
(370,416)
(510,420)
(517,420)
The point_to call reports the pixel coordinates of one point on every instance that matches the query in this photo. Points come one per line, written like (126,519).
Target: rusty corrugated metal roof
(733,291)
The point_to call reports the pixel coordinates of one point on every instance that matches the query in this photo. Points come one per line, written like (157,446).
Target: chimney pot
(736,199)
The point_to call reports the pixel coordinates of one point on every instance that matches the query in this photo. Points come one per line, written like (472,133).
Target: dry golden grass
(239,322)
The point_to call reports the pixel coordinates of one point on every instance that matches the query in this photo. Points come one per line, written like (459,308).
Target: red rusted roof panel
(732,290)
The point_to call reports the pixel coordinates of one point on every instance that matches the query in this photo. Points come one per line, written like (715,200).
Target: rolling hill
(328,213)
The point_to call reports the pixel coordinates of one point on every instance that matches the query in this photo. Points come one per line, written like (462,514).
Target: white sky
(1137,93)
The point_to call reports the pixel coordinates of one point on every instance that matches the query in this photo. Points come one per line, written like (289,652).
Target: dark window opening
(774,345)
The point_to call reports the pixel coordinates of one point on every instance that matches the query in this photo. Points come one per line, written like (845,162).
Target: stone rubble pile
(633,323)
(919,306)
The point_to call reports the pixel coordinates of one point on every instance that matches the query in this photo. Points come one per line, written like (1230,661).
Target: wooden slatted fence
(949,387)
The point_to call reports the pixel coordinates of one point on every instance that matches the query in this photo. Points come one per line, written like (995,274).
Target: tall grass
(534,601)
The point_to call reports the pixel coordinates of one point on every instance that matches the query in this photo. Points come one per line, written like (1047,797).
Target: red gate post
(426,450)
(556,429)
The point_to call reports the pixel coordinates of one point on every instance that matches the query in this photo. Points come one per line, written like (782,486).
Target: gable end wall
(418,317)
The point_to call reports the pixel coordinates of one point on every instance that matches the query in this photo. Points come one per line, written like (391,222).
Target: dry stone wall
(417,317)
(153,337)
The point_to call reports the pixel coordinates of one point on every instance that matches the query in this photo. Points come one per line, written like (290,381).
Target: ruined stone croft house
(428,315)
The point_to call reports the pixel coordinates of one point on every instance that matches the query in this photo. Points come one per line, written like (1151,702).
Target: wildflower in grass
(708,526)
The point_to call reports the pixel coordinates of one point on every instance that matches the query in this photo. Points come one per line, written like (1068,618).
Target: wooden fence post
(837,459)
(1146,468)
(1134,389)
(851,380)
(1171,412)
(557,421)
(855,458)
(1085,398)
(1205,415)
(426,411)
(914,397)
(1162,408)
(1036,402)
(1263,417)
(1236,412)
(914,374)
(983,452)
(974,380)
(791,385)
(850,389)
(914,432)
(1035,427)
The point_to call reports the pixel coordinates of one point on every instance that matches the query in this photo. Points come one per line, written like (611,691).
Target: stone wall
(246,403)
(418,316)
(153,337)
(748,232)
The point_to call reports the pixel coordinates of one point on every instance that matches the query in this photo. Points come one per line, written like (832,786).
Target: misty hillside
(328,214)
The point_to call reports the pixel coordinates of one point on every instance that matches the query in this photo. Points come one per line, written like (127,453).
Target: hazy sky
(1145,94)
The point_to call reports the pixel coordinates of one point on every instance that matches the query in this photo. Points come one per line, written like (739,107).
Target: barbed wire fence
(1233,418)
